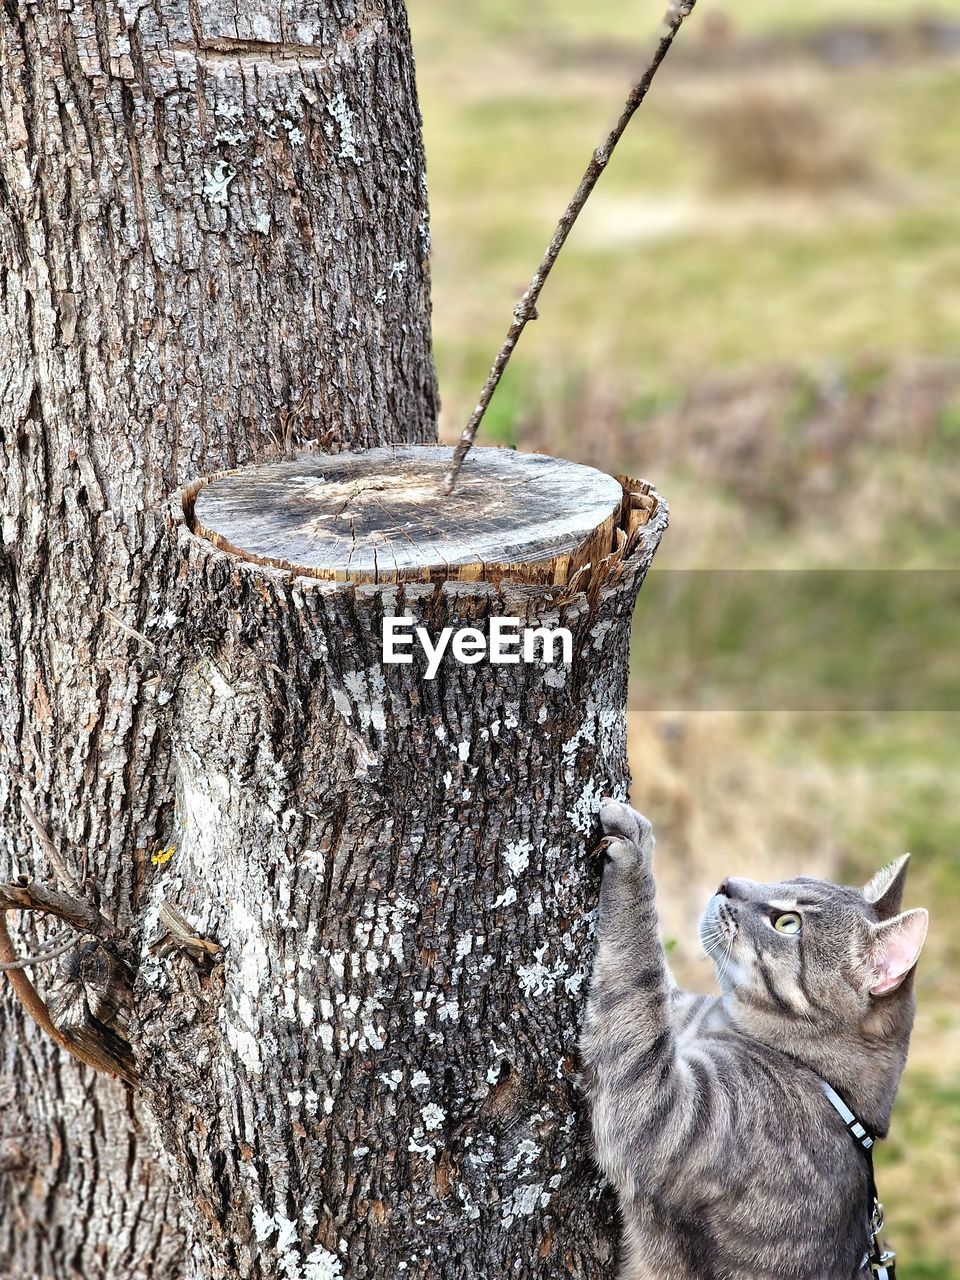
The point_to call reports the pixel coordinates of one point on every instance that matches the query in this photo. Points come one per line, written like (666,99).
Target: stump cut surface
(380,515)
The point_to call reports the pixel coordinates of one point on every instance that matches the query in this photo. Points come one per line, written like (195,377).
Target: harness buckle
(883,1265)
(876,1219)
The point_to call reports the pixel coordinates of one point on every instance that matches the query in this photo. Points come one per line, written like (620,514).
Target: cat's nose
(725,890)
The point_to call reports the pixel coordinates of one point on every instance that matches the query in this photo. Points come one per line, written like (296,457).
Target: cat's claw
(629,835)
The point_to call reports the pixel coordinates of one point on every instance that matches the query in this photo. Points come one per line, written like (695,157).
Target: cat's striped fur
(708,1115)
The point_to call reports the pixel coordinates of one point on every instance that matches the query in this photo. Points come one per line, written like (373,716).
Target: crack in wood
(234,49)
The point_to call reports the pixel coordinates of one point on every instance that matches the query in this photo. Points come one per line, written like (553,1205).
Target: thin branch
(24,894)
(24,989)
(526,308)
(42,957)
(49,848)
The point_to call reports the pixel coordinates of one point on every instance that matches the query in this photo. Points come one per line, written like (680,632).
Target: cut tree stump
(380,516)
(382,1058)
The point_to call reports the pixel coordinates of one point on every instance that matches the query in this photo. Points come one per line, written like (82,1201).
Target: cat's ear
(885,890)
(895,949)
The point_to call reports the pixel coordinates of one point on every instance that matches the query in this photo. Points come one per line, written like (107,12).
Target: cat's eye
(789,922)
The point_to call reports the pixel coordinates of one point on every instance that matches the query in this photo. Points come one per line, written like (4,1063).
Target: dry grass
(780,134)
(710,799)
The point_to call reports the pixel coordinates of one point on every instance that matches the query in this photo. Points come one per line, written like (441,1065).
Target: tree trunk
(379,1076)
(213,242)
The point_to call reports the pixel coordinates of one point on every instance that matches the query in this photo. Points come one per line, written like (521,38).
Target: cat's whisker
(724,964)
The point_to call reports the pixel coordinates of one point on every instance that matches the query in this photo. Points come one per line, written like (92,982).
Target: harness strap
(878,1260)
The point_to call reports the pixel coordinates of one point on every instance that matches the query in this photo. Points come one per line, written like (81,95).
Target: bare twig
(180,933)
(49,848)
(42,957)
(24,894)
(129,631)
(24,989)
(526,308)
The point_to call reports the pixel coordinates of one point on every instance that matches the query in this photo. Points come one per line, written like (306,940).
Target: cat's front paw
(628,835)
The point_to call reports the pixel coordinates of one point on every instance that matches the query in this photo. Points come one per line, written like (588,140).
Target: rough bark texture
(378,1079)
(213,246)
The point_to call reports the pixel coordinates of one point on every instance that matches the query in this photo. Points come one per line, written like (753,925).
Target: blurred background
(760,312)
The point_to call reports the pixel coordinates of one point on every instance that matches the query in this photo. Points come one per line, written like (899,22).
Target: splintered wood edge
(595,563)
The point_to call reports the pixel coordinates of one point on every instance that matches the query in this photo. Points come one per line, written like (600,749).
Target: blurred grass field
(759,311)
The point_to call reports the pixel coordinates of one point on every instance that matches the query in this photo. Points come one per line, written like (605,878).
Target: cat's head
(815,953)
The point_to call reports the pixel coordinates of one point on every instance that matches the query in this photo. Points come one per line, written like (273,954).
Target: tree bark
(213,243)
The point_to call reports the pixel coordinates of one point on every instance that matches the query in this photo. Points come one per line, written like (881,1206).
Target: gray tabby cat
(708,1113)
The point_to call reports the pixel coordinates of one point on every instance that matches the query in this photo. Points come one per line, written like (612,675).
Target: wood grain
(380,516)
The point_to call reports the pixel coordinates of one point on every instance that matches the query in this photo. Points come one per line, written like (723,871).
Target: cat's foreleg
(627,1043)
(630,963)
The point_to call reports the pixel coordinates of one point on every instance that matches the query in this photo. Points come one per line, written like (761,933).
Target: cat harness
(878,1260)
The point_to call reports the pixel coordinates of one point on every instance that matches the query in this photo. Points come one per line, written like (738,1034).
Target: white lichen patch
(422,1148)
(526,1154)
(286,1233)
(248,982)
(463,947)
(586,807)
(380,934)
(216,182)
(537,979)
(433,1116)
(517,855)
(555,677)
(448,1009)
(262,1223)
(422,1001)
(525,1201)
(575,981)
(322,1265)
(341,701)
(368,690)
(343,118)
